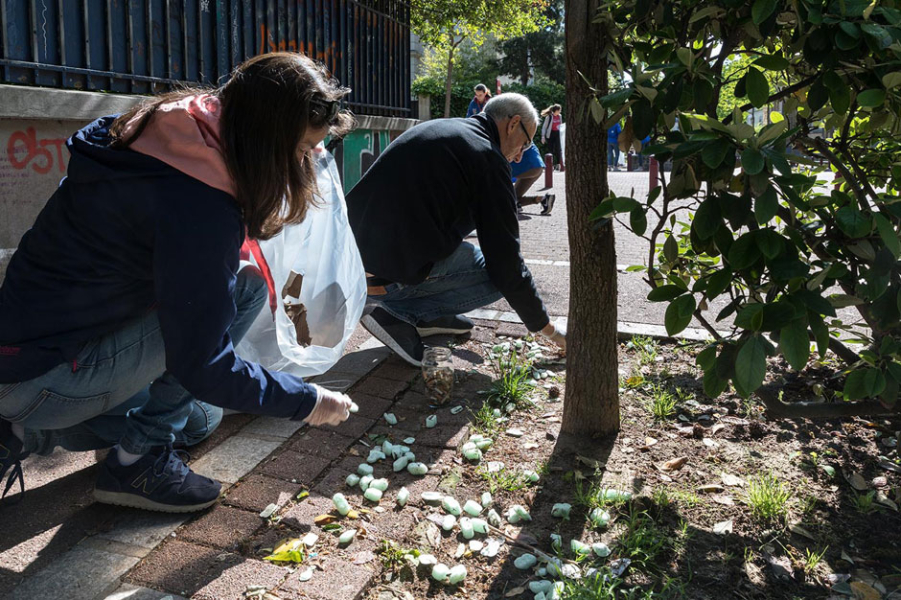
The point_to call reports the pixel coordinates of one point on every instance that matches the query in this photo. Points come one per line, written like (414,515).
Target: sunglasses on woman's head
(324,110)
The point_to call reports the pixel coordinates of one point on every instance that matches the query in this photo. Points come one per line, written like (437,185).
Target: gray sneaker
(547,204)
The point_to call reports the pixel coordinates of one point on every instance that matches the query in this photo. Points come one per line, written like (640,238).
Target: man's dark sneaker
(11,457)
(159,481)
(547,203)
(452,325)
(396,334)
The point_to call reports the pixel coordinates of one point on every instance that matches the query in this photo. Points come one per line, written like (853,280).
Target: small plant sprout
(512,385)
(767,497)
(662,403)
(865,503)
(394,557)
(812,559)
(645,347)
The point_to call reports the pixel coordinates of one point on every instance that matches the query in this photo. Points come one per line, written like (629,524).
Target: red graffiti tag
(37,152)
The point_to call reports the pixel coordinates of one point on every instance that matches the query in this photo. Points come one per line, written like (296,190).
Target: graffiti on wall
(33,159)
(358,151)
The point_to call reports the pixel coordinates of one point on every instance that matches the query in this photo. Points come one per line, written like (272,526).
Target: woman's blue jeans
(118,390)
(455,285)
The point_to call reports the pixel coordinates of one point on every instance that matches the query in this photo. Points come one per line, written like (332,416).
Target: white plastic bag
(318,257)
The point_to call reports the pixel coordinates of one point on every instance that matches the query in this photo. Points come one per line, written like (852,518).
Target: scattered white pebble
(310,539)
(269,511)
(526,561)
(440,572)
(347,537)
(515,432)
(390,418)
(308,574)
(430,422)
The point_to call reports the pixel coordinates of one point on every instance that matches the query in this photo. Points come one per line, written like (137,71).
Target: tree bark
(448,86)
(592,375)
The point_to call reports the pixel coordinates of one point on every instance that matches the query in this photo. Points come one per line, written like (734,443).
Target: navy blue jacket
(125,234)
(426,192)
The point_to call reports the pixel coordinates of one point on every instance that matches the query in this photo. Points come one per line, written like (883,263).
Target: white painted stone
(233,459)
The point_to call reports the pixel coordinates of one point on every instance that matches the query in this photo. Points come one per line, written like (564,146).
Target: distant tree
(542,49)
(446,24)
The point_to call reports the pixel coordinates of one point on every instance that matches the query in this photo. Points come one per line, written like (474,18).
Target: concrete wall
(34,126)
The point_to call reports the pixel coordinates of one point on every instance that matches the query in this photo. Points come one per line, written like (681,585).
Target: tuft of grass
(645,347)
(865,503)
(394,556)
(503,479)
(485,421)
(593,495)
(811,560)
(512,384)
(767,497)
(663,403)
(644,541)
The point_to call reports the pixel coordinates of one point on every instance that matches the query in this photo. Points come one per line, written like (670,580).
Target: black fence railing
(146,46)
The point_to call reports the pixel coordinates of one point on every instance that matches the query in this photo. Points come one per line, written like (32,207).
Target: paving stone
(223,527)
(294,466)
(229,426)
(394,433)
(180,567)
(321,442)
(514,330)
(234,458)
(143,528)
(282,428)
(82,573)
(485,323)
(397,369)
(361,362)
(233,581)
(415,400)
(482,335)
(383,388)
(126,591)
(337,580)
(353,427)
(370,406)
(336,381)
(258,491)
(443,436)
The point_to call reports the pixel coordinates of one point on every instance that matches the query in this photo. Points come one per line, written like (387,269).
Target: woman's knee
(251,286)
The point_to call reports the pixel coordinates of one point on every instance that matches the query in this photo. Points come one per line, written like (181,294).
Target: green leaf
(750,317)
(750,365)
(864,383)
(766,206)
(744,252)
(853,222)
(888,234)
(817,96)
(665,293)
(871,98)
(638,221)
(706,358)
(715,152)
(795,344)
(815,302)
(643,117)
(891,80)
(762,9)
(623,204)
(707,218)
(713,385)
(820,333)
(777,315)
(787,267)
(772,63)
(684,55)
(758,87)
(717,283)
(769,242)
(670,249)
(752,161)
(604,210)
(678,314)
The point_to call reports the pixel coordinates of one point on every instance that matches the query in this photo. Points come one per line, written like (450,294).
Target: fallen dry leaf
(734,420)
(361,558)
(863,591)
(710,443)
(515,592)
(884,500)
(711,488)
(673,465)
(888,465)
(799,530)
(857,482)
(731,480)
(595,464)
(717,428)
(723,499)
(324,520)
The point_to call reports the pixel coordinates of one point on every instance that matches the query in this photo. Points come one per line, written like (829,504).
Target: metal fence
(146,46)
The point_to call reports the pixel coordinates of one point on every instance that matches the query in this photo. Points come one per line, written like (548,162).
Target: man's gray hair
(509,104)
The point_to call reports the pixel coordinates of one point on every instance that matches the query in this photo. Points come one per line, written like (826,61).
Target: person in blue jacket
(613,146)
(477,104)
(123,303)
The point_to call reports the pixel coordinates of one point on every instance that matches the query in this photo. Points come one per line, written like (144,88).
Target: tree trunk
(592,375)
(448,86)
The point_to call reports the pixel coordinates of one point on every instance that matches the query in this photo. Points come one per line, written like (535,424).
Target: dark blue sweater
(125,234)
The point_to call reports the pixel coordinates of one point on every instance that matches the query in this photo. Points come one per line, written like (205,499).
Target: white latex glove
(332,408)
(555,333)
(542,140)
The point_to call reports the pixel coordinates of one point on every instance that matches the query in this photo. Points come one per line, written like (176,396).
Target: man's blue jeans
(612,154)
(118,390)
(455,285)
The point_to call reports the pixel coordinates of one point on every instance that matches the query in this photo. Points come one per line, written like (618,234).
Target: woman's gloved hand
(555,333)
(332,408)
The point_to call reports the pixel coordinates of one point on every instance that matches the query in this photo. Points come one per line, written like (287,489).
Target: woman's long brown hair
(267,106)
